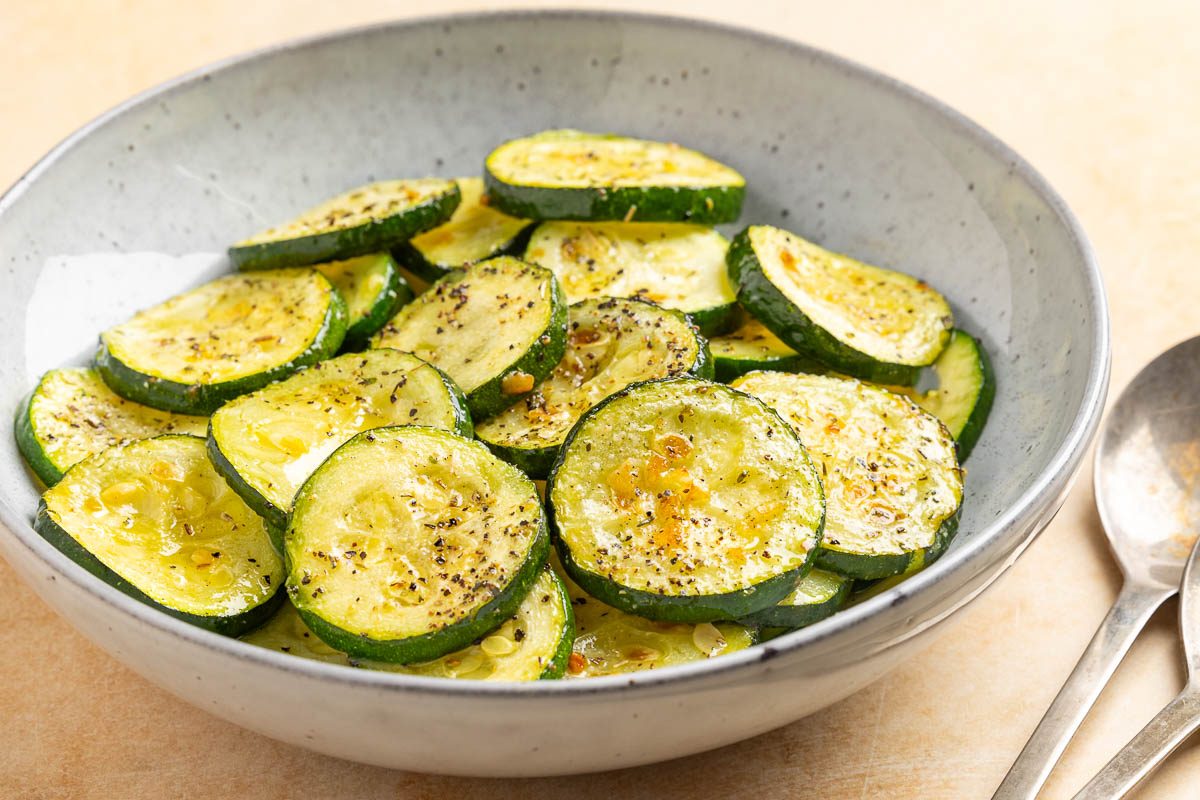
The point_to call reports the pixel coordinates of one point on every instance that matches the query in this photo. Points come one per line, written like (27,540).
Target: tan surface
(1099,95)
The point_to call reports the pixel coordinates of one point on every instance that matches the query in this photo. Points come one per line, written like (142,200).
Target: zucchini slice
(685,501)
(153,519)
(610,642)
(373,289)
(202,348)
(476,232)
(965,392)
(72,414)
(566,174)
(369,219)
(535,644)
(865,321)
(677,266)
(612,343)
(818,595)
(893,487)
(750,346)
(409,543)
(497,328)
(267,443)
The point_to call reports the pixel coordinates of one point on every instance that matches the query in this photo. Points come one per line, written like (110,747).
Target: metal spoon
(1146,476)
(1178,719)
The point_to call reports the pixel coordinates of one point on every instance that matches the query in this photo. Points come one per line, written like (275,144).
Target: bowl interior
(144,204)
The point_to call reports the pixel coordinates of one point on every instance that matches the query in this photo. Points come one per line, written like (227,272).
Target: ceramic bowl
(142,202)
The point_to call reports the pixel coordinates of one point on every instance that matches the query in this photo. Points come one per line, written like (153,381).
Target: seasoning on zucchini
(533,644)
(72,414)
(267,443)
(685,501)
(153,519)
(965,391)
(677,266)
(497,328)
(818,595)
(369,219)
(199,349)
(611,642)
(409,543)
(865,321)
(893,487)
(475,232)
(611,343)
(750,346)
(373,289)
(566,174)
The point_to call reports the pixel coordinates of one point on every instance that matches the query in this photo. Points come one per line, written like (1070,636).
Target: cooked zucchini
(534,644)
(893,487)
(409,543)
(685,501)
(72,414)
(267,443)
(153,519)
(818,595)
(612,343)
(497,328)
(476,232)
(369,219)
(865,321)
(965,391)
(611,642)
(199,349)
(677,266)
(373,289)
(567,174)
(750,346)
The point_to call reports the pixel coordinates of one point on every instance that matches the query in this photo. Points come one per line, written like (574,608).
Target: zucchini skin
(557,667)
(729,369)
(395,295)
(651,605)
(781,316)
(372,237)
(276,517)
(793,617)
(865,567)
(29,446)
(234,625)
(969,435)
(714,205)
(204,399)
(716,320)
(436,644)
(415,262)
(536,462)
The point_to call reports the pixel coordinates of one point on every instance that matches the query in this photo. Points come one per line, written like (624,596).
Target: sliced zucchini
(965,392)
(497,328)
(610,642)
(373,289)
(750,346)
(202,348)
(72,414)
(267,443)
(677,266)
(612,343)
(567,174)
(533,644)
(893,486)
(369,219)
(409,543)
(865,321)
(685,501)
(818,595)
(476,232)
(153,519)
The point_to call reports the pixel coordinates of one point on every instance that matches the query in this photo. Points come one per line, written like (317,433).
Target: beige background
(1101,96)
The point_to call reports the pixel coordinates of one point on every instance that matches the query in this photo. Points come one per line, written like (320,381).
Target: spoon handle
(1178,720)
(1128,615)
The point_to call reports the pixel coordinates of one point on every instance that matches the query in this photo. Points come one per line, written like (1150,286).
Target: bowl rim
(967,561)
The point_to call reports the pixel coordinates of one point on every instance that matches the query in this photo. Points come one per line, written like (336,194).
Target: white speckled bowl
(838,153)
